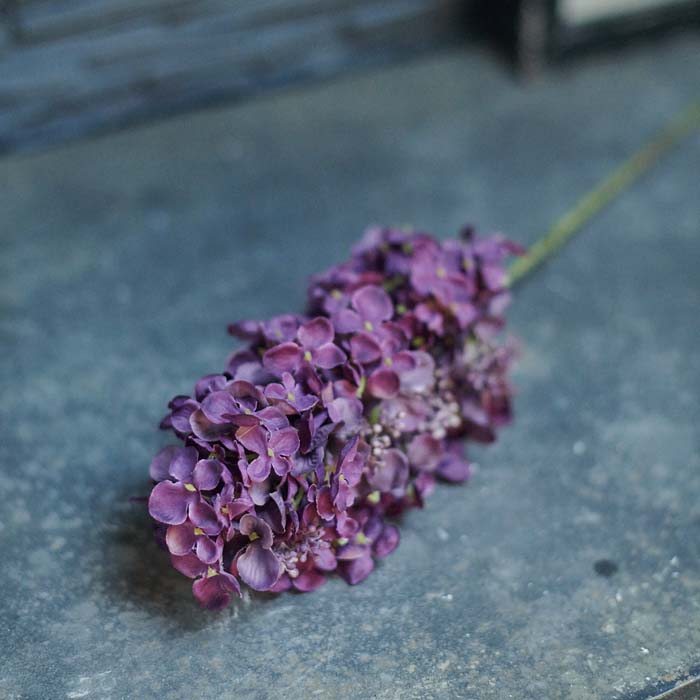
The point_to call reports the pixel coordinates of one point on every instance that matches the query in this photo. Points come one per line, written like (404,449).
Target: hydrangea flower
(324,427)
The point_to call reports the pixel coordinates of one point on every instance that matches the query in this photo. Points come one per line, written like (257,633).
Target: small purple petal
(373,304)
(180,417)
(208,550)
(259,468)
(281,464)
(422,376)
(273,418)
(347,527)
(206,429)
(324,503)
(305,402)
(328,356)
(207,474)
(325,559)
(453,469)
(384,383)
(218,405)
(188,565)
(365,348)
(160,464)
(283,358)
(403,361)
(258,567)
(356,570)
(347,410)
(284,442)
(347,321)
(183,463)
(308,581)
(209,383)
(253,438)
(204,517)
(276,391)
(180,539)
(251,524)
(316,333)
(281,328)
(168,503)
(210,593)
(424,452)
(387,542)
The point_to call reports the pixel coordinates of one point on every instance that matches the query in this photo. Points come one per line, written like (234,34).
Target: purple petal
(403,361)
(424,452)
(392,473)
(325,559)
(453,469)
(324,503)
(305,402)
(315,333)
(464,313)
(364,348)
(251,524)
(209,383)
(387,542)
(245,330)
(283,358)
(347,527)
(161,463)
(273,418)
(373,304)
(168,503)
(284,583)
(229,582)
(183,463)
(204,517)
(309,581)
(180,539)
(209,550)
(284,442)
(207,474)
(210,593)
(383,383)
(245,393)
(206,429)
(328,356)
(347,410)
(188,565)
(180,417)
(281,464)
(422,376)
(281,328)
(351,551)
(219,405)
(276,391)
(259,470)
(347,321)
(258,567)
(253,438)
(356,570)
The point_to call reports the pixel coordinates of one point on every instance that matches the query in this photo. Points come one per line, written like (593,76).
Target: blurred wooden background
(70,67)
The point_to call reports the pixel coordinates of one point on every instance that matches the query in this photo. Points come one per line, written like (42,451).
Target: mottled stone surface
(122,261)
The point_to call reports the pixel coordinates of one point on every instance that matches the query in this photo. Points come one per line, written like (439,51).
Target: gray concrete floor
(123,258)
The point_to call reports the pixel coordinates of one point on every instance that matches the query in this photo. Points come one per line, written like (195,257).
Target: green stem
(621,179)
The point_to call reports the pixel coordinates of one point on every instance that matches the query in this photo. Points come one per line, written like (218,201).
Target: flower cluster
(325,425)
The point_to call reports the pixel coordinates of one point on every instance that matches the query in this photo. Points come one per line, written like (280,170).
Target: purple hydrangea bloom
(325,426)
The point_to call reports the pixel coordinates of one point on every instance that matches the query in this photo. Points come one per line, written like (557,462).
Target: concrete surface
(124,258)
